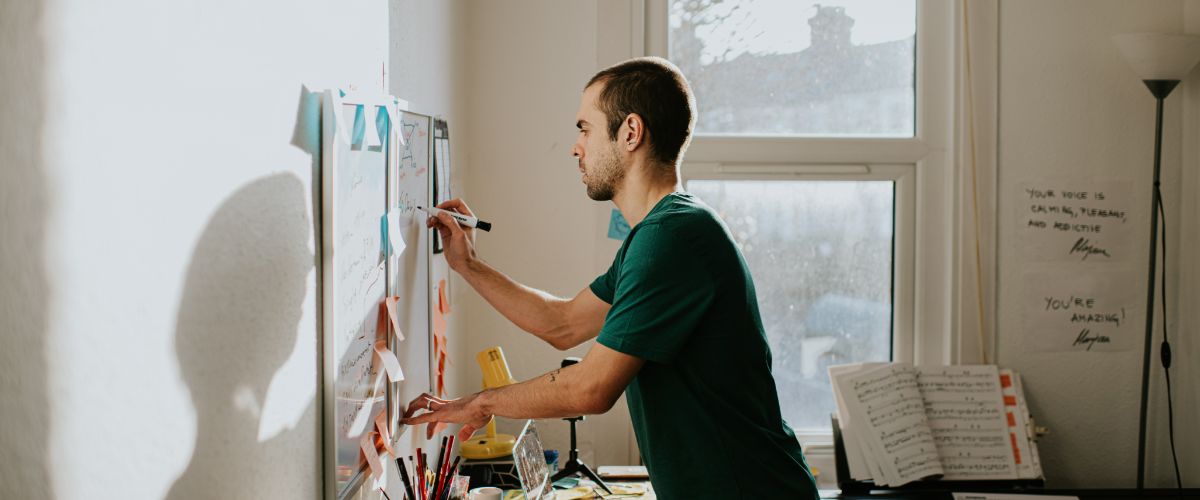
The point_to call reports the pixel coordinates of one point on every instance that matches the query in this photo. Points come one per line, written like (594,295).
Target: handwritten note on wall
(1078,241)
(1085,310)
(1086,222)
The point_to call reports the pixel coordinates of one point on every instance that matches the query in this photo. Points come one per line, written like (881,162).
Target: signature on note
(1085,337)
(1087,248)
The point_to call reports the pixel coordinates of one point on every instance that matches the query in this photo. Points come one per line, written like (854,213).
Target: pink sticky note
(381,426)
(390,364)
(443,303)
(367,445)
(393,304)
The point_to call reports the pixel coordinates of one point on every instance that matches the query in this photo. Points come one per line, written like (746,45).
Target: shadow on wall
(24,404)
(238,323)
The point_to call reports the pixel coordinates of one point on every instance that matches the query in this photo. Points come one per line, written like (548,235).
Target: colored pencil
(443,468)
(420,474)
(450,482)
(437,468)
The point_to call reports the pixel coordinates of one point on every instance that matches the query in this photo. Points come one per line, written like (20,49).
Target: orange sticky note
(443,303)
(393,304)
(367,445)
(390,364)
(381,426)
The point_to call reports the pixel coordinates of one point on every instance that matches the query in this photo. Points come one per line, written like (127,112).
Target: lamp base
(485,447)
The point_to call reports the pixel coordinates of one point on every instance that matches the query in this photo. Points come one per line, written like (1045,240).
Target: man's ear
(634,132)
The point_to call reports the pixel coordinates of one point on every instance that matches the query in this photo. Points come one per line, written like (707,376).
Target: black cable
(1165,352)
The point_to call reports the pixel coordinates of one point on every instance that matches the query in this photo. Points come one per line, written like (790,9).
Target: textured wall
(1070,107)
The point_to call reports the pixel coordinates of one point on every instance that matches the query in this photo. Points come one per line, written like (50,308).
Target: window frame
(922,167)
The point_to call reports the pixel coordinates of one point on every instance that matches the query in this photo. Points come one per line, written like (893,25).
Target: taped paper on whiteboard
(363,417)
(393,304)
(381,427)
(390,364)
(393,115)
(367,445)
(394,234)
(371,122)
(339,119)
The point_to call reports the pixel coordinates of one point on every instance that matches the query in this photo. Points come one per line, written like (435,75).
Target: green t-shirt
(704,405)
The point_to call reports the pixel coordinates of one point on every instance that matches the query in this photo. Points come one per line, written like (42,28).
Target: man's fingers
(420,419)
(466,432)
(456,205)
(425,401)
(448,222)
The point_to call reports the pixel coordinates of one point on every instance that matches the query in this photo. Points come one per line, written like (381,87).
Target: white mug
(485,493)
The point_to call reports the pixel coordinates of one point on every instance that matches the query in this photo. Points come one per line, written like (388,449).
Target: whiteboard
(410,184)
(361,266)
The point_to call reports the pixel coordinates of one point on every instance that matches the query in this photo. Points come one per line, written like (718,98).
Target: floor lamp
(1161,61)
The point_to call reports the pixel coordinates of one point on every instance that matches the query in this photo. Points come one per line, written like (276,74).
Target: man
(675,318)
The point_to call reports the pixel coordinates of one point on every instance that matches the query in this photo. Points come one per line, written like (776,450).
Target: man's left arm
(589,387)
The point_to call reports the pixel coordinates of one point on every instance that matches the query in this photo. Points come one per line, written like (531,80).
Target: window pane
(821,256)
(782,67)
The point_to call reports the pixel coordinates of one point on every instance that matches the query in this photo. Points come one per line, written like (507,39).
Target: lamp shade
(1159,56)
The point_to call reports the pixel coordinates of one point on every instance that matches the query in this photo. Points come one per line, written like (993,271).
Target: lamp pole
(1160,89)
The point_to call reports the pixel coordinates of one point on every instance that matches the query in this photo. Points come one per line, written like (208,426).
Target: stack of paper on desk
(902,423)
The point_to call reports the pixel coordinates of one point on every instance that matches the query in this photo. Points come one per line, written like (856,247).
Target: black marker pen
(465,220)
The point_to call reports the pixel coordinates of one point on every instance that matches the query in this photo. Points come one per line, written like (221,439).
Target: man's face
(600,159)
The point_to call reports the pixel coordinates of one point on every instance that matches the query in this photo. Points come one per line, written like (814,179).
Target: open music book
(902,423)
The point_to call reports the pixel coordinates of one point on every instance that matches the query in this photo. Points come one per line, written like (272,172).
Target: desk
(1082,493)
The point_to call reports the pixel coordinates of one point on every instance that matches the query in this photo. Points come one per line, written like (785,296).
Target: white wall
(1070,107)
(159,327)
(528,62)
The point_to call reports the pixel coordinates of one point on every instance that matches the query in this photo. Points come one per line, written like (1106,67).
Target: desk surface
(1083,494)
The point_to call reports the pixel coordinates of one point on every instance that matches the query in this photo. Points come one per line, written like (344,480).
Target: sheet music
(887,410)
(856,453)
(965,412)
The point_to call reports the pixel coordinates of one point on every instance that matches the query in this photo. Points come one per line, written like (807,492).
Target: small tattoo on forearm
(554,375)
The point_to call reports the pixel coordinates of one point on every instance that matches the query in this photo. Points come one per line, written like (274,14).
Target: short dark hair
(656,90)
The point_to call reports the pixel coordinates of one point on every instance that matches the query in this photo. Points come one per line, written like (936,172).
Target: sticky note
(367,445)
(390,364)
(383,236)
(371,125)
(381,427)
(361,419)
(618,229)
(358,131)
(443,302)
(392,113)
(339,119)
(393,306)
(394,234)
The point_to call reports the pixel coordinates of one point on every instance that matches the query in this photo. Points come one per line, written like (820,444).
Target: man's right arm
(563,323)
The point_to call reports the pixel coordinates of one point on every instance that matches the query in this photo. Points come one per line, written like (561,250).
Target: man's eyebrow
(579,124)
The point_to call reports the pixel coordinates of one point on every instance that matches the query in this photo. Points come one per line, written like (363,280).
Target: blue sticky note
(618,229)
(384,241)
(381,124)
(359,130)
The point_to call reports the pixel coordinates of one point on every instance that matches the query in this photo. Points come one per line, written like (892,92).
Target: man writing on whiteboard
(675,318)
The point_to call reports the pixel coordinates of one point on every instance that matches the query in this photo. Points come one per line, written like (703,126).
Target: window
(821,255)
(818,125)
(793,68)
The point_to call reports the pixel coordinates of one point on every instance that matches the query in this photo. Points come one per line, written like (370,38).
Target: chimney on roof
(830,28)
